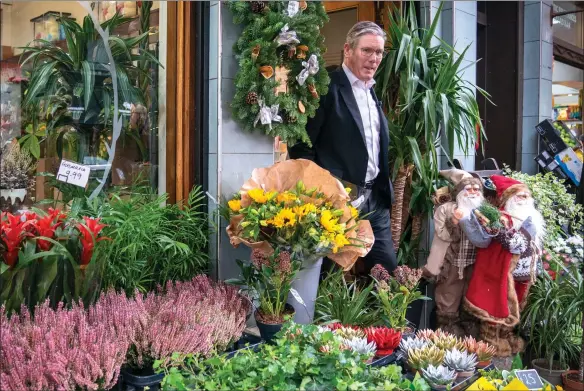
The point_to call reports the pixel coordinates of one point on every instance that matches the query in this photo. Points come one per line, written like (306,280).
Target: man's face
(364,59)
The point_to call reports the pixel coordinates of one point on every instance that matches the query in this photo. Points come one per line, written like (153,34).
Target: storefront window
(570,27)
(68,68)
(567,89)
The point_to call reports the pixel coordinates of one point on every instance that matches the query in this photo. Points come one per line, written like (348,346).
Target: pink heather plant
(65,349)
(194,317)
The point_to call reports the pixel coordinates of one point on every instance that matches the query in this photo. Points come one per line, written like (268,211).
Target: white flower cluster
(572,246)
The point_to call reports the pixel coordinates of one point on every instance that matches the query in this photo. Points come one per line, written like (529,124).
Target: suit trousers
(382,251)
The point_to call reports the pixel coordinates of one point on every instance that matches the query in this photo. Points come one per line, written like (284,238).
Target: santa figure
(452,254)
(506,268)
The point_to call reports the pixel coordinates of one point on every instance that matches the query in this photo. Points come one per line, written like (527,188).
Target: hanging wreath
(281,73)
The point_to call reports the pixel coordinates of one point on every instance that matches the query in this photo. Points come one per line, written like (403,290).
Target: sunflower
(260,196)
(328,222)
(354,212)
(234,205)
(284,218)
(303,210)
(286,197)
(340,242)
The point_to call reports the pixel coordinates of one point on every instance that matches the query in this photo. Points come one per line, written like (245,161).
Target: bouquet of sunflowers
(299,207)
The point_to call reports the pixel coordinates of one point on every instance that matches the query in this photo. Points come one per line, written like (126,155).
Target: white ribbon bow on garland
(310,68)
(286,37)
(267,115)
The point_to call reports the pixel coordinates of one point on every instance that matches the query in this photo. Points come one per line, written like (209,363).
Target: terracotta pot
(571,383)
(464,375)
(554,376)
(483,364)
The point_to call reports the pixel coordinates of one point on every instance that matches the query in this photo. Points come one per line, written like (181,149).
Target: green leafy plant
(72,88)
(151,243)
(424,95)
(345,302)
(303,357)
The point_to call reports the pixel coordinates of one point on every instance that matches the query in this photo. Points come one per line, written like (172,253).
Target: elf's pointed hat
(507,187)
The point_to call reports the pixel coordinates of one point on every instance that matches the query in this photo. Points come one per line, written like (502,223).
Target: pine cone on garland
(290,118)
(251,98)
(258,6)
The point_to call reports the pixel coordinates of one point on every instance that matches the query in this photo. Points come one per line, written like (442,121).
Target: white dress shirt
(370,119)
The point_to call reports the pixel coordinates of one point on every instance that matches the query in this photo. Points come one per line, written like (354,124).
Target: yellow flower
(286,197)
(258,195)
(328,222)
(348,190)
(341,241)
(354,212)
(303,210)
(234,205)
(559,388)
(284,218)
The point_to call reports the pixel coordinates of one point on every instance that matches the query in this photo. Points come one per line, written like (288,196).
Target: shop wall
(6,25)
(233,153)
(537,79)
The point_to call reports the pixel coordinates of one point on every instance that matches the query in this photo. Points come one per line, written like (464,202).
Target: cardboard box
(570,164)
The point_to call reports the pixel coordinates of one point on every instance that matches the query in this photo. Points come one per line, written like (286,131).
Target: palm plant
(72,88)
(425,98)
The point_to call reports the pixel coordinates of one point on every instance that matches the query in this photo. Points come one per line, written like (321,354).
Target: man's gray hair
(363,28)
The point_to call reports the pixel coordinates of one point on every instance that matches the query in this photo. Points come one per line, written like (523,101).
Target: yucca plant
(72,87)
(424,96)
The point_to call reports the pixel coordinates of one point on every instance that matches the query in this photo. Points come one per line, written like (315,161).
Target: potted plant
(396,293)
(308,215)
(361,346)
(386,339)
(439,377)
(410,343)
(15,179)
(462,362)
(483,351)
(422,358)
(574,380)
(269,278)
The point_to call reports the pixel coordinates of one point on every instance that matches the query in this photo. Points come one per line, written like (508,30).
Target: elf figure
(506,268)
(453,253)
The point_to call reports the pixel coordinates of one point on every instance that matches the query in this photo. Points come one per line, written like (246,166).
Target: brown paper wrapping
(284,176)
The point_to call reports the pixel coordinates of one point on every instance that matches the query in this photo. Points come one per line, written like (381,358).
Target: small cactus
(448,342)
(425,334)
(438,375)
(349,333)
(407,344)
(421,358)
(460,361)
(470,344)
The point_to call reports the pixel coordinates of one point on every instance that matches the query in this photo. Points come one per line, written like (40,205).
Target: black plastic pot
(137,381)
(414,312)
(268,331)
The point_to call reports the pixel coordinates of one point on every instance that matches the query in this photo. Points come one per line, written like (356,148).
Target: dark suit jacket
(338,138)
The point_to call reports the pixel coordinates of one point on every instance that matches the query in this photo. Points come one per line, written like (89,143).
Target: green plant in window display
(72,86)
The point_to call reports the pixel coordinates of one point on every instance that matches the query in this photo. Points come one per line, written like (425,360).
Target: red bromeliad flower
(46,227)
(89,233)
(13,232)
(386,339)
(56,213)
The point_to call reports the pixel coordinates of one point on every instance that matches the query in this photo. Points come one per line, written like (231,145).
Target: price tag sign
(73,173)
(530,378)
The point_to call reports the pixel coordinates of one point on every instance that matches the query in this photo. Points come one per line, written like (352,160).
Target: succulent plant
(438,375)
(407,344)
(448,342)
(470,344)
(485,351)
(360,345)
(460,361)
(16,165)
(349,333)
(425,334)
(386,339)
(421,358)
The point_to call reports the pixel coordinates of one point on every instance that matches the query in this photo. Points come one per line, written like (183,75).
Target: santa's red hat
(507,187)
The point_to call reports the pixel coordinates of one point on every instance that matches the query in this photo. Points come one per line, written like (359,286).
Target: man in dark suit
(350,137)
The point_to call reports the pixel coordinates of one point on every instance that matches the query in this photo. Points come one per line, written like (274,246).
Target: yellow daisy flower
(234,205)
(303,210)
(354,212)
(328,222)
(284,218)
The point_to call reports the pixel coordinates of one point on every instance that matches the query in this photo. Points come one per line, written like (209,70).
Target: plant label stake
(530,378)
(73,173)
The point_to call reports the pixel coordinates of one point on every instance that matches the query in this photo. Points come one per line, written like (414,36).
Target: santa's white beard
(466,203)
(520,210)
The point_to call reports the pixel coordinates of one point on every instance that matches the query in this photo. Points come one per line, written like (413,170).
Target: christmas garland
(281,70)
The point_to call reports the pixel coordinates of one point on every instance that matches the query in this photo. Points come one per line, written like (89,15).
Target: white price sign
(73,173)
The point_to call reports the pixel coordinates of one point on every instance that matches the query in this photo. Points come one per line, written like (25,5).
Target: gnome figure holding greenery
(452,254)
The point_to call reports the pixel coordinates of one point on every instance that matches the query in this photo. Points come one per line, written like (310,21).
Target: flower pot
(269,330)
(139,380)
(12,199)
(464,375)
(438,386)
(571,382)
(306,285)
(483,364)
(553,376)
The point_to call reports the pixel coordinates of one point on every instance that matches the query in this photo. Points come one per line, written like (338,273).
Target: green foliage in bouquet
(261,49)
(304,357)
(492,214)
